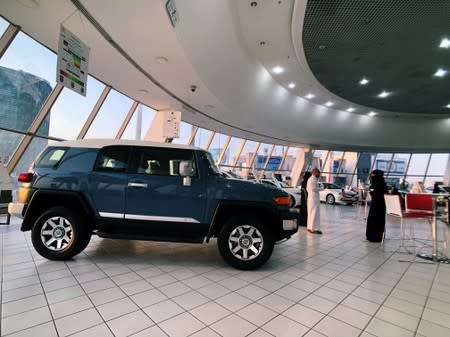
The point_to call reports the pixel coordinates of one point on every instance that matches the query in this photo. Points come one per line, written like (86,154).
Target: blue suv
(147,191)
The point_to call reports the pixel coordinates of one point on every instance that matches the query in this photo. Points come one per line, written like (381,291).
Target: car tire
(330,199)
(59,234)
(245,242)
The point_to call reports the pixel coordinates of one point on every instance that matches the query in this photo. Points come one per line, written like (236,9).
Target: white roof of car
(99,143)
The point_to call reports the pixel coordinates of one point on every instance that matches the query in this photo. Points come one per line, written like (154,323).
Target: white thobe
(313,203)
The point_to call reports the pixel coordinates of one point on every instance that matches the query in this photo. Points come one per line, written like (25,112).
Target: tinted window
(51,157)
(162,161)
(113,159)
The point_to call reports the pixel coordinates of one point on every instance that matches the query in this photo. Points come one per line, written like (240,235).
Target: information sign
(72,66)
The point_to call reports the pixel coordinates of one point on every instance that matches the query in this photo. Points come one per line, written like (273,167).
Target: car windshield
(212,167)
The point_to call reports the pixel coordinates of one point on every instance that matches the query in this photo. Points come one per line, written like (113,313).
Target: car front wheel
(58,234)
(330,199)
(245,242)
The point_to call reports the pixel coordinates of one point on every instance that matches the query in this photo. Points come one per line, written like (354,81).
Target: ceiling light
(253,4)
(384,94)
(448,106)
(364,81)
(277,70)
(445,43)
(309,96)
(161,59)
(372,113)
(29,3)
(291,85)
(351,109)
(440,72)
(329,103)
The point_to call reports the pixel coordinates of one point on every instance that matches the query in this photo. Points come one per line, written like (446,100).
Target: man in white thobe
(312,187)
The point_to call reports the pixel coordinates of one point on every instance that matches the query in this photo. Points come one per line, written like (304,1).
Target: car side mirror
(186,171)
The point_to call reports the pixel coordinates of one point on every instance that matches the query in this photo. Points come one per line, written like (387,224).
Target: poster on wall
(72,66)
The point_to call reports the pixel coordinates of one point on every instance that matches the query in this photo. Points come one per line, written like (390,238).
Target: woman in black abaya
(377,213)
(303,219)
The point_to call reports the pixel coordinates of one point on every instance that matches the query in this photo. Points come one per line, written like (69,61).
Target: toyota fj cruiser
(147,191)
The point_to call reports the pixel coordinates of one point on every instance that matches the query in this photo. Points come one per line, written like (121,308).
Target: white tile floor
(336,284)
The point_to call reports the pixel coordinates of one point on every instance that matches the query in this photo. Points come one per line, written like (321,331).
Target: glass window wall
(217,145)
(244,163)
(232,151)
(25,58)
(71,110)
(3,25)
(186,130)
(110,117)
(202,137)
(140,123)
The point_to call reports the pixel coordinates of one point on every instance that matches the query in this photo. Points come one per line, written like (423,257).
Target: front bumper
(16,208)
(290,223)
(348,199)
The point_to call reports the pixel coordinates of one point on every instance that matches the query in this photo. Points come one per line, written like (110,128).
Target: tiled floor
(336,284)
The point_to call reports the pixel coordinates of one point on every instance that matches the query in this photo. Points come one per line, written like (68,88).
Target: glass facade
(27,77)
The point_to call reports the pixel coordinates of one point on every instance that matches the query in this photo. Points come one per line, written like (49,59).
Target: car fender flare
(46,198)
(239,207)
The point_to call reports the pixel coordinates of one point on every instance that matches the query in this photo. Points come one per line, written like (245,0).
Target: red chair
(418,206)
(418,202)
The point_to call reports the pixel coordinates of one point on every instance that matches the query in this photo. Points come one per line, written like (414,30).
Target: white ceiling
(216,47)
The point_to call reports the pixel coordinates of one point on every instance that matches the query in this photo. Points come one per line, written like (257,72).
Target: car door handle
(137,185)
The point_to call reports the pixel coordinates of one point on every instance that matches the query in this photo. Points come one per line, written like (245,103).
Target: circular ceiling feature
(395,43)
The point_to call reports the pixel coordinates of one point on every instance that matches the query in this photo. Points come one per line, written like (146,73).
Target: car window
(162,161)
(332,186)
(113,159)
(51,157)
(212,167)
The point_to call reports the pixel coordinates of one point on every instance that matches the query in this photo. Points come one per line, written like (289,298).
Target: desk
(434,256)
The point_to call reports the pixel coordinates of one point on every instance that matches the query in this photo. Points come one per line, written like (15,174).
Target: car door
(107,185)
(158,204)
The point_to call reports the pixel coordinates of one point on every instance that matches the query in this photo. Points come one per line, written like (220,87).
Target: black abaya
(376,220)
(303,219)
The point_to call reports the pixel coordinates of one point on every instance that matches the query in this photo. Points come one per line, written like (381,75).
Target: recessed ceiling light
(329,103)
(448,106)
(440,72)
(161,59)
(253,4)
(351,109)
(291,85)
(309,96)
(372,113)
(384,94)
(445,43)
(364,81)
(29,3)
(277,70)
(262,43)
